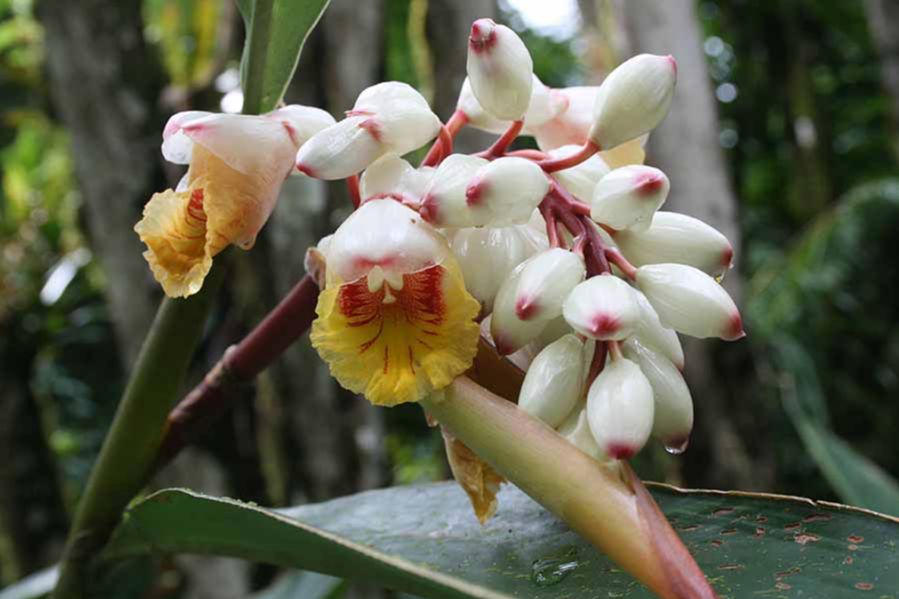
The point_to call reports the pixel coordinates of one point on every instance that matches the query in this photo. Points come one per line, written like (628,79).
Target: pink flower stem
(443,147)
(558,164)
(618,259)
(352,184)
(240,363)
(552,229)
(499,147)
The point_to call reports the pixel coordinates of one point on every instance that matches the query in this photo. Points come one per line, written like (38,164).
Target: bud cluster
(578,274)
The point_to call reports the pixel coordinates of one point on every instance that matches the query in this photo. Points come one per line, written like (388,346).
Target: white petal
(580,180)
(176,146)
(303,121)
(509,332)
(391,176)
(673,420)
(652,334)
(602,307)
(633,99)
(628,197)
(339,151)
(546,280)
(576,429)
(246,143)
(500,70)
(543,106)
(445,203)
(487,256)
(620,409)
(681,239)
(553,383)
(386,234)
(509,188)
(689,301)
(571,125)
(402,118)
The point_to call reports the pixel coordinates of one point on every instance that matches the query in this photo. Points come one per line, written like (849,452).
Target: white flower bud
(620,409)
(487,256)
(509,332)
(576,429)
(445,203)
(392,177)
(580,180)
(650,332)
(555,330)
(681,239)
(602,307)
(546,280)
(571,125)
(302,122)
(553,383)
(633,99)
(387,117)
(673,419)
(628,197)
(500,70)
(689,301)
(383,233)
(177,147)
(509,189)
(544,106)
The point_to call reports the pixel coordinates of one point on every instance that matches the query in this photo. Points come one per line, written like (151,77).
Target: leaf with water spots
(425,540)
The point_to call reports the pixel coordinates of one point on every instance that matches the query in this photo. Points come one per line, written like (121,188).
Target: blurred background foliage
(805,124)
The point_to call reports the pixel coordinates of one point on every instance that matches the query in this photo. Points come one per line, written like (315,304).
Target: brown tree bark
(686,147)
(883,21)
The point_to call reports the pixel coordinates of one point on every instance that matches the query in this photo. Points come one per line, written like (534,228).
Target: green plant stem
(607,505)
(257,47)
(129,450)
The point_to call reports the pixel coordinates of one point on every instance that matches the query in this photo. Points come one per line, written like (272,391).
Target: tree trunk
(883,21)
(686,147)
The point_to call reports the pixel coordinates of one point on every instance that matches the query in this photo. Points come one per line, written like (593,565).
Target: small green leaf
(425,540)
(276,32)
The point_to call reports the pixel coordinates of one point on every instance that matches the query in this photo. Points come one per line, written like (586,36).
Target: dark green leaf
(425,540)
(276,32)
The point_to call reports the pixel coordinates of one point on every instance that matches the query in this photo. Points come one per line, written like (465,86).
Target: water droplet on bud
(677,446)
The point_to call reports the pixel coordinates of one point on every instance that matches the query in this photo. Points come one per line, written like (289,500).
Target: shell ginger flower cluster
(558,257)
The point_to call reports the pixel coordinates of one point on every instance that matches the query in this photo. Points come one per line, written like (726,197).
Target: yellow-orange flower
(237,166)
(394,320)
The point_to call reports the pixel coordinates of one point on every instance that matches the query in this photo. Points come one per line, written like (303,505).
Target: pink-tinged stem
(559,164)
(352,184)
(598,362)
(441,149)
(552,228)
(607,505)
(529,154)
(240,363)
(618,259)
(568,200)
(502,144)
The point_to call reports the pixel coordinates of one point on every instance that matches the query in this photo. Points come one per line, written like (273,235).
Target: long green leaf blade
(424,540)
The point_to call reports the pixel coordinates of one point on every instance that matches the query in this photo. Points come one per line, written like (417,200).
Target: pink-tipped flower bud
(487,256)
(673,420)
(690,301)
(445,203)
(628,197)
(652,334)
(506,191)
(681,239)
(387,117)
(392,177)
(580,180)
(620,409)
(554,381)
(543,107)
(500,70)
(576,429)
(546,280)
(302,122)
(633,99)
(510,333)
(602,307)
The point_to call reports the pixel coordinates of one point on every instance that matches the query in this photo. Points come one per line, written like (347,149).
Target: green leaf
(276,32)
(425,540)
